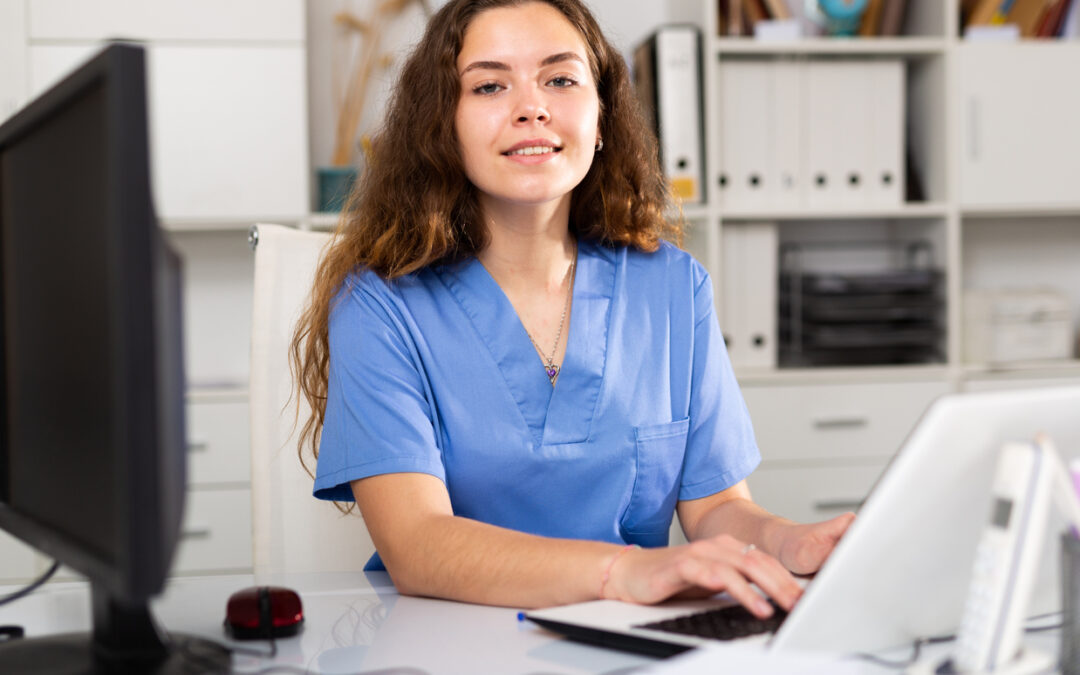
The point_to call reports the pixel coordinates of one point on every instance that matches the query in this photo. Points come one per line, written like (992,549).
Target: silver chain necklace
(550,368)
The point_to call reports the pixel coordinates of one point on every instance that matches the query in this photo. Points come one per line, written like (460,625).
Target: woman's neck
(529,247)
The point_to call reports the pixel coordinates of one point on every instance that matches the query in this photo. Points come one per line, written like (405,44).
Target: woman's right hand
(700,569)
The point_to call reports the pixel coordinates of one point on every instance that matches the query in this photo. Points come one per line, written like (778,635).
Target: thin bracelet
(607,572)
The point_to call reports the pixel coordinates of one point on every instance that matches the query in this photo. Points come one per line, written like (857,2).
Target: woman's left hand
(804,548)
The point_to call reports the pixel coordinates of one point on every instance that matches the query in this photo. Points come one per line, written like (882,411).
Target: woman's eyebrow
(499,65)
(485,65)
(561,57)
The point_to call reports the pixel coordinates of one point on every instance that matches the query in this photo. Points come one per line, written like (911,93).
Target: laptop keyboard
(728,623)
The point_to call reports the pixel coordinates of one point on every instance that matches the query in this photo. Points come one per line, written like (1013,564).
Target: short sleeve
(378,411)
(721,449)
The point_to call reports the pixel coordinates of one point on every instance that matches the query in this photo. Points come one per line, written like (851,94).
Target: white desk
(357,623)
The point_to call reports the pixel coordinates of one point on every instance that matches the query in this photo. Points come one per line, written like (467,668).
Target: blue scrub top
(434,373)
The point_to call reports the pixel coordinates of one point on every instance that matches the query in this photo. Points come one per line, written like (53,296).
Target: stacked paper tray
(871,318)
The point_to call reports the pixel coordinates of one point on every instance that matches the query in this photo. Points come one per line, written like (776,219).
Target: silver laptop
(901,572)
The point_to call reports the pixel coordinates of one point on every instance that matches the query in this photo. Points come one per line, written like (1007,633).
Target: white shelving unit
(227,100)
(991,132)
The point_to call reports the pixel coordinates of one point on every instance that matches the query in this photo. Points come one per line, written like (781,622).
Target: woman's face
(528,113)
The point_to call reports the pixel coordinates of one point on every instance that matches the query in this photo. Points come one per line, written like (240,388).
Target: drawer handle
(841,423)
(198,446)
(196,533)
(839,505)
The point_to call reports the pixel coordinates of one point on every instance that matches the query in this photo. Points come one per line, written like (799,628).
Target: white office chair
(293,532)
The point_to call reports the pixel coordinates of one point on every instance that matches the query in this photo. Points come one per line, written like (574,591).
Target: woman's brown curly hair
(414,206)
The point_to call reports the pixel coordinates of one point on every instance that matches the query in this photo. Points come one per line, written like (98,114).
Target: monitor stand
(125,639)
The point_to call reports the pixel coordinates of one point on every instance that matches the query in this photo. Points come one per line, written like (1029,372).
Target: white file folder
(750,293)
(885,87)
(745,101)
(731,314)
(784,178)
(839,134)
(678,110)
(823,125)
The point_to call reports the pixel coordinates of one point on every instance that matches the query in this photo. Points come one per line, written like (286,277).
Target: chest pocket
(658,457)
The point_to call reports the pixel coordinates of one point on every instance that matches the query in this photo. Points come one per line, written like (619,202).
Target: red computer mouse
(263,613)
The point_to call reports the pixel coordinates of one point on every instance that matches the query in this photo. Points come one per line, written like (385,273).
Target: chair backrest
(293,532)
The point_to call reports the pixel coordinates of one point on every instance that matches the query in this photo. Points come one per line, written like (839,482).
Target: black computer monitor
(92,437)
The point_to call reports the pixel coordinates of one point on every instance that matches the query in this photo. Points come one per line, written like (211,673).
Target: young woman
(513,375)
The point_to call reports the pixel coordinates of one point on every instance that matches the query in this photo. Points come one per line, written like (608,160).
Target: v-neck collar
(554,415)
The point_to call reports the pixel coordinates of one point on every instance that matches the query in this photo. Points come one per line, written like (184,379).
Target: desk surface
(357,623)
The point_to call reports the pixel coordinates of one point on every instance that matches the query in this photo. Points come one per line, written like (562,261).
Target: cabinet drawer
(17,560)
(807,495)
(219,445)
(837,421)
(217,532)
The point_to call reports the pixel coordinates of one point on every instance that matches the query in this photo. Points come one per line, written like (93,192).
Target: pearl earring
(599,145)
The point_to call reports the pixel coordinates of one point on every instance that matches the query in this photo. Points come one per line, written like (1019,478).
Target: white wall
(625,22)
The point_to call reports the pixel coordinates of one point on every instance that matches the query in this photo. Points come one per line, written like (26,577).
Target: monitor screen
(92,447)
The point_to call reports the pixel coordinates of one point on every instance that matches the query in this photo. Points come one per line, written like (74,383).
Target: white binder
(750,294)
(745,100)
(784,178)
(823,118)
(678,110)
(885,87)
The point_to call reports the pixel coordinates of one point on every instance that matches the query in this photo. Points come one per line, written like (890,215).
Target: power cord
(916,646)
(9,633)
(34,585)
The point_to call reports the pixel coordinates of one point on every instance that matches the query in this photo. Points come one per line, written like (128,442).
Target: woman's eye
(487,88)
(563,81)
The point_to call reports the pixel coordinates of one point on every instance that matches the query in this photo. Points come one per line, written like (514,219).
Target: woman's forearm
(461,559)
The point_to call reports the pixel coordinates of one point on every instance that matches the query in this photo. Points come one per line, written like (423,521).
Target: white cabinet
(1018,107)
(216,535)
(808,494)
(228,127)
(13,88)
(17,560)
(823,446)
(219,440)
(217,529)
(200,20)
(857,421)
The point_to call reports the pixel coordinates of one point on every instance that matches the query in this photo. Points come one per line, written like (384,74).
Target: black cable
(916,650)
(23,592)
(917,644)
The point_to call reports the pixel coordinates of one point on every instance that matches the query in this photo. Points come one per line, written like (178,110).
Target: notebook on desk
(901,572)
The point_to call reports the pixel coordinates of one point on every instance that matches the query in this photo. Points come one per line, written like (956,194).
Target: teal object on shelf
(335,184)
(841,16)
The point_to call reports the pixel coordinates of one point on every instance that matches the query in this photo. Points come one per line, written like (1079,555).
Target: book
(735,18)
(1027,14)
(778,9)
(870,25)
(892,17)
(1050,23)
(983,12)
(754,12)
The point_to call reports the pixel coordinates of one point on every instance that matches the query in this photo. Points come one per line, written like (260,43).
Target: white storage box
(1017,325)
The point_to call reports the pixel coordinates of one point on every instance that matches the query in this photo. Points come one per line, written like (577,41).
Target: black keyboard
(728,623)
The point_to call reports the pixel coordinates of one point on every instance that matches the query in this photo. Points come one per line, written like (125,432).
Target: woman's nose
(531,108)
